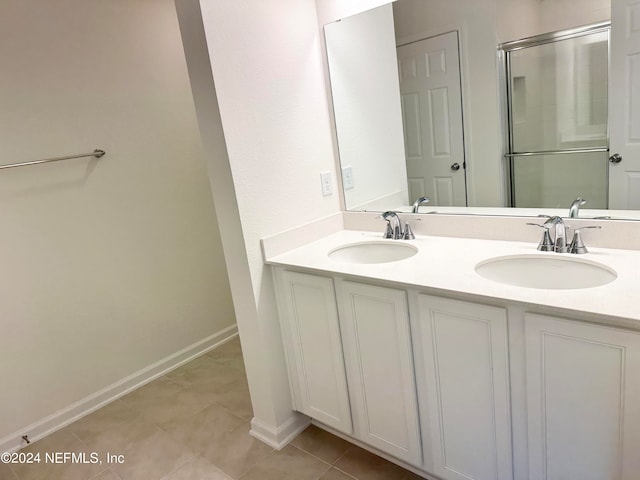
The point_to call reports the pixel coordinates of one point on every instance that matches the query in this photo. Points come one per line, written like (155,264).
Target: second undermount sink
(546,272)
(373,252)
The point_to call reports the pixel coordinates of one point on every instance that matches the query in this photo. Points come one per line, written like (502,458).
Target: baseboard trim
(60,419)
(279,437)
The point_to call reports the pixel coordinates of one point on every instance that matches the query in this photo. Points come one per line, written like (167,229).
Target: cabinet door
(377,347)
(583,400)
(314,349)
(461,352)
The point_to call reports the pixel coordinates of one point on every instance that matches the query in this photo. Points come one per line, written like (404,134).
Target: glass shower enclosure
(558,139)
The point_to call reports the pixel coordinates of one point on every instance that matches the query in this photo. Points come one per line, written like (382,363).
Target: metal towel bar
(97,153)
(558,152)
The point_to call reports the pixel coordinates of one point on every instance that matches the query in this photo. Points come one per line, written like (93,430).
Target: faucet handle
(394,224)
(546,244)
(577,245)
(408,232)
(394,229)
(388,233)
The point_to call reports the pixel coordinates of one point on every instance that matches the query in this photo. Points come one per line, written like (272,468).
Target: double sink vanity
(466,358)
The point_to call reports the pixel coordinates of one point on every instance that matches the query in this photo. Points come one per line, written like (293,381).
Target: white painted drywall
(564,14)
(107,266)
(332,10)
(267,68)
(363,67)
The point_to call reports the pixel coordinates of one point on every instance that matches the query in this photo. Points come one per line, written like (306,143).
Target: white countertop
(447,263)
(585,213)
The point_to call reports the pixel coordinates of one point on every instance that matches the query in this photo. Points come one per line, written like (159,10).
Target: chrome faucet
(418,202)
(560,237)
(559,242)
(394,227)
(574,209)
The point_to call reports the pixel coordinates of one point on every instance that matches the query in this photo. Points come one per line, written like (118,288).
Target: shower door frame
(504,61)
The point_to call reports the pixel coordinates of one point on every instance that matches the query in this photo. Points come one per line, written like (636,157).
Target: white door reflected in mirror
(429,72)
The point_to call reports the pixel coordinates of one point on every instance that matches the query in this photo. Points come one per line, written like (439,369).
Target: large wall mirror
(421,104)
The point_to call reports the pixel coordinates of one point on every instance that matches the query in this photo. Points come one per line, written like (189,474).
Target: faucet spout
(395,225)
(560,237)
(418,202)
(574,209)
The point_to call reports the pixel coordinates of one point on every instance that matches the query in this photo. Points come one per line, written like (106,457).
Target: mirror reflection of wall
(481,25)
(362,64)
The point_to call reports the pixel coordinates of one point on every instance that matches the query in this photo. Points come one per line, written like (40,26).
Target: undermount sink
(546,272)
(373,252)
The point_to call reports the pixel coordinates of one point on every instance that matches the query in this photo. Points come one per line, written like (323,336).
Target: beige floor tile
(192,424)
(183,404)
(235,363)
(162,387)
(289,463)
(236,451)
(364,465)
(230,349)
(6,472)
(334,474)
(413,476)
(153,458)
(229,354)
(53,465)
(203,428)
(106,475)
(197,468)
(205,370)
(169,401)
(321,444)
(235,397)
(114,429)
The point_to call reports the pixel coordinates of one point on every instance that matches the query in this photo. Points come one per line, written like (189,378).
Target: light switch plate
(327,184)
(347,177)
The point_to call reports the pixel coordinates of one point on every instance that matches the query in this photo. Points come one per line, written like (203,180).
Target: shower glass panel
(557,108)
(554,181)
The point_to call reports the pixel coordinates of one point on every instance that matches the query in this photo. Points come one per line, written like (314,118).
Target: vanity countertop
(448,264)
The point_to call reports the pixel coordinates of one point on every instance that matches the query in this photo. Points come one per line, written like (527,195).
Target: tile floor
(192,424)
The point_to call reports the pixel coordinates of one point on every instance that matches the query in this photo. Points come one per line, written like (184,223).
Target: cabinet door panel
(464,394)
(314,346)
(583,400)
(379,364)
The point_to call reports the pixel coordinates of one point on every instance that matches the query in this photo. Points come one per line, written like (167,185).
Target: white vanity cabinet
(462,390)
(311,333)
(378,356)
(583,400)
(461,356)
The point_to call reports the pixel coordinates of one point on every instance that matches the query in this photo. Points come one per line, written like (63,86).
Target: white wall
(107,266)
(268,73)
(564,14)
(332,10)
(366,101)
